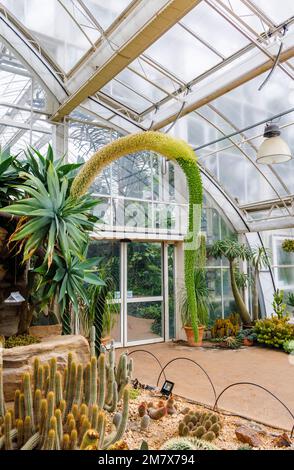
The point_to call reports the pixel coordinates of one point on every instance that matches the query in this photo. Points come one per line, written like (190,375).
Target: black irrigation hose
(154,357)
(258,386)
(194,362)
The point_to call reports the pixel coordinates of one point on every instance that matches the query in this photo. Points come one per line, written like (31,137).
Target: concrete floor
(269,368)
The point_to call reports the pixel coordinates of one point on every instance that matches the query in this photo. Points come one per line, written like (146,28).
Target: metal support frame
(131,37)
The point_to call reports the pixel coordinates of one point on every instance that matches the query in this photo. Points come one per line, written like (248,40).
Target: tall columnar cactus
(42,419)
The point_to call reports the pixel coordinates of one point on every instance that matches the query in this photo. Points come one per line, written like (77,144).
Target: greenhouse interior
(147,219)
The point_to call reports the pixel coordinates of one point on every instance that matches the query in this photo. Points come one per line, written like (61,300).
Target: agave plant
(36,164)
(50,217)
(53,232)
(9,179)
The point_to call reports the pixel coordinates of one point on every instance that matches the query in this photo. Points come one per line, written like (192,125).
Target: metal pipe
(240,131)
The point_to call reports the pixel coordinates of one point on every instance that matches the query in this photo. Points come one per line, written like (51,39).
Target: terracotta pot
(45,331)
(190,335)
(247,342)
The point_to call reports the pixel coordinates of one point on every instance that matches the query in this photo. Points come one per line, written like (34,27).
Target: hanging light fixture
(273,149)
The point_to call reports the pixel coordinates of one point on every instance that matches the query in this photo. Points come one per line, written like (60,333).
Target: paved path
(269,368)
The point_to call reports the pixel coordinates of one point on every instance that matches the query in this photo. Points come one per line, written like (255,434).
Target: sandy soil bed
(166,428)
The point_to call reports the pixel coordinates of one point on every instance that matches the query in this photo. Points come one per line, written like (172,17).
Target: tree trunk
(255,296)
(241,307)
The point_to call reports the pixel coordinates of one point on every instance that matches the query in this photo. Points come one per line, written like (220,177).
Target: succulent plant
(187,443)
(201,425)
(67,410)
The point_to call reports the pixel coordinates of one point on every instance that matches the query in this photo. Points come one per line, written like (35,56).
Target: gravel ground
(167,427)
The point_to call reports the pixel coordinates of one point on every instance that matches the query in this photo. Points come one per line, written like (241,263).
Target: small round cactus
(200,425)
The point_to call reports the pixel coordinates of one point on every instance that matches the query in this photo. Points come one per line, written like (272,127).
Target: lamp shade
(273,149)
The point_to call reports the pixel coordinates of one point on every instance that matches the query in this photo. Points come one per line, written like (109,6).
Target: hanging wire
(277,59)
(188,89)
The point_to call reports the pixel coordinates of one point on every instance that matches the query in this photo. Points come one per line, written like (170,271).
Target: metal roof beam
(215,88)
(135,33)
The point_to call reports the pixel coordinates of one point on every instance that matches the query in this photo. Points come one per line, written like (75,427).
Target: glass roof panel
(53,27)
(152,73)
(188,57)
(235,174)
(276,10)
(246,105)
(106,11)
(140,85)
(240,10)
(214,29)
(124,95)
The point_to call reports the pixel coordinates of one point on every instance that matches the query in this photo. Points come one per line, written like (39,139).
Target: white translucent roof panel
(106,11)
(65,29)
(246,105)
(277,10)
(236,175)
(156,76)
(214,30)
(187,58)
(127,96)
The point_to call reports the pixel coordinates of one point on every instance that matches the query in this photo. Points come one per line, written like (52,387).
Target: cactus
(157,413)
(201,425)
(184,443)
(42,418)
(170,405)
(7,431)
(145,421)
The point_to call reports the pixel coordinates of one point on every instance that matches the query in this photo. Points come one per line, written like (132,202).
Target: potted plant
(109,320)
(248,337)
(202,294)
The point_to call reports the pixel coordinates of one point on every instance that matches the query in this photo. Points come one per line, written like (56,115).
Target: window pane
(144,269)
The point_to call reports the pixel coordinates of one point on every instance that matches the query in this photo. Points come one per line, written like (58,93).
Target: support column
(60,139)
(179,285)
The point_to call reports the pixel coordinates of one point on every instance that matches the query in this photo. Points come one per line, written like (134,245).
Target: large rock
(248,436)
(20,359)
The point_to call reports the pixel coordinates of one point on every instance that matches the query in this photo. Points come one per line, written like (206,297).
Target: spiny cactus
(201,425)
(41,418)
(145,421)
(187,443)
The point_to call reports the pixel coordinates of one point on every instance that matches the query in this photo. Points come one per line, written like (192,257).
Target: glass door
(144,306)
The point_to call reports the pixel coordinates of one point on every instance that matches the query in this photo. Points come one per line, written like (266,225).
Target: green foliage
(233,251)
(20,340)
(50,217)
(230,249)
(226,327)
(184,155)
(9,179)
(248,333)
(274,331)
(288,346)
(38,165)
(290,299)
(53,233)
(288,245)
(278,303)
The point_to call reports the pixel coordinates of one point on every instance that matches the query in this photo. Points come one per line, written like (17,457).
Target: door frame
(124,300)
